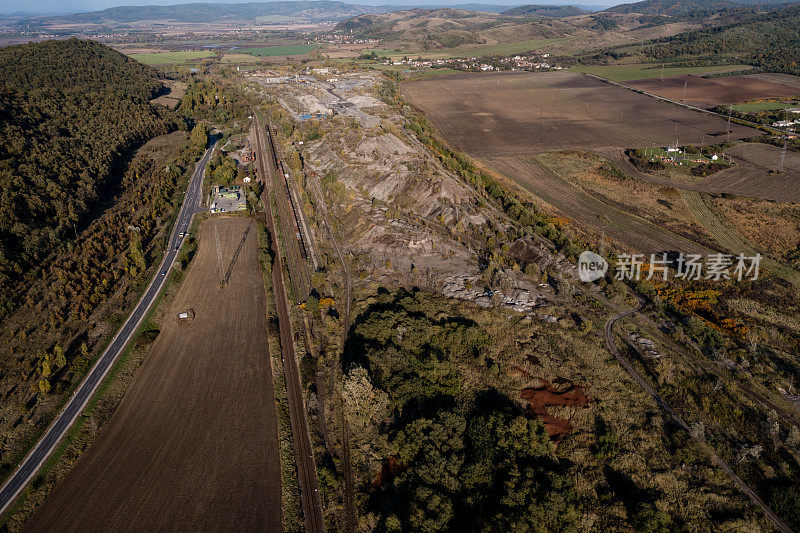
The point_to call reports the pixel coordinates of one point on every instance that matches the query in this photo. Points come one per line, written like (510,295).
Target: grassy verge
(290,489)
(763,106)
(98,410)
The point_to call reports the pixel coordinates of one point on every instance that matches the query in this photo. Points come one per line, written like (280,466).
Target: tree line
(70,112)
(769,41)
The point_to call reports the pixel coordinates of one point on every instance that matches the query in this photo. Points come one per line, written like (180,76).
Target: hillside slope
(672,7)
(770,41)
(431,29)
(546,11)
(70,110)
(206,12)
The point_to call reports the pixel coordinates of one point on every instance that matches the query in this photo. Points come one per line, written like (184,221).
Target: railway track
(306,467)
(289,223)
(349,489)
(779,524)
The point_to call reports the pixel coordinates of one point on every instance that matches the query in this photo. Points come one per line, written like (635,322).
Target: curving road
(39,454)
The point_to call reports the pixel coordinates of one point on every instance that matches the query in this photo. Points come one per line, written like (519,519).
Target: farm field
(193,444)
(237,58)
(752,177)
(166,58)
(786,79)
(601,217)
(749,177)
(532,114)
(658,204)
(704,92)
(649,70)
(280,51)
(763,106)
(552,111)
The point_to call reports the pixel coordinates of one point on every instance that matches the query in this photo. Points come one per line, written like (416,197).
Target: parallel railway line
(306,467)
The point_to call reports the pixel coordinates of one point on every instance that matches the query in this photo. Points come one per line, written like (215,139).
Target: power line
(783,156)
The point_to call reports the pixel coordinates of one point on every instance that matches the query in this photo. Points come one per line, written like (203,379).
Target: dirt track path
(587,210)
(193,445)
(779,524)
(729,240)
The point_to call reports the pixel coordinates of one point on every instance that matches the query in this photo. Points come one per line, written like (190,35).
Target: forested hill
(546,11)
(770,41)
(307,10)
(69,111)
(672,7)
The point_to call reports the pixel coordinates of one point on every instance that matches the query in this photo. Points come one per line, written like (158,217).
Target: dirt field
(717,91)
(522,113)
(785,79)
(564,394)
(529,114)
(752,177)
(193,445)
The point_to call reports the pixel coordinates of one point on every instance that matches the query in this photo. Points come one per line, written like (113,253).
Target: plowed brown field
(754,174)
(522,112)
(193,445)
(505,119)
(703,92)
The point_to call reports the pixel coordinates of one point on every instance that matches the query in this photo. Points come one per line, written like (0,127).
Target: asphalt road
(39,454)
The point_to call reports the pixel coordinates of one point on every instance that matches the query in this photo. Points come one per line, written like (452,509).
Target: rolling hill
(770,41)
(71,111)
(546,11)
(672,7)
(434,29)
(301,10)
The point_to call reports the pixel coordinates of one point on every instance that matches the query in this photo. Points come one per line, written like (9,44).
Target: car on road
(164,273)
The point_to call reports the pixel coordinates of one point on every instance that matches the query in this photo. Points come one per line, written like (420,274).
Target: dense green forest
(458,459)
(207,99)
(61,322)
(672,8)
(70,112)
(770,41)
(546,11)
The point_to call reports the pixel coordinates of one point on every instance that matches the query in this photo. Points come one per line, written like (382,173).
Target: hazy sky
(76,6)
